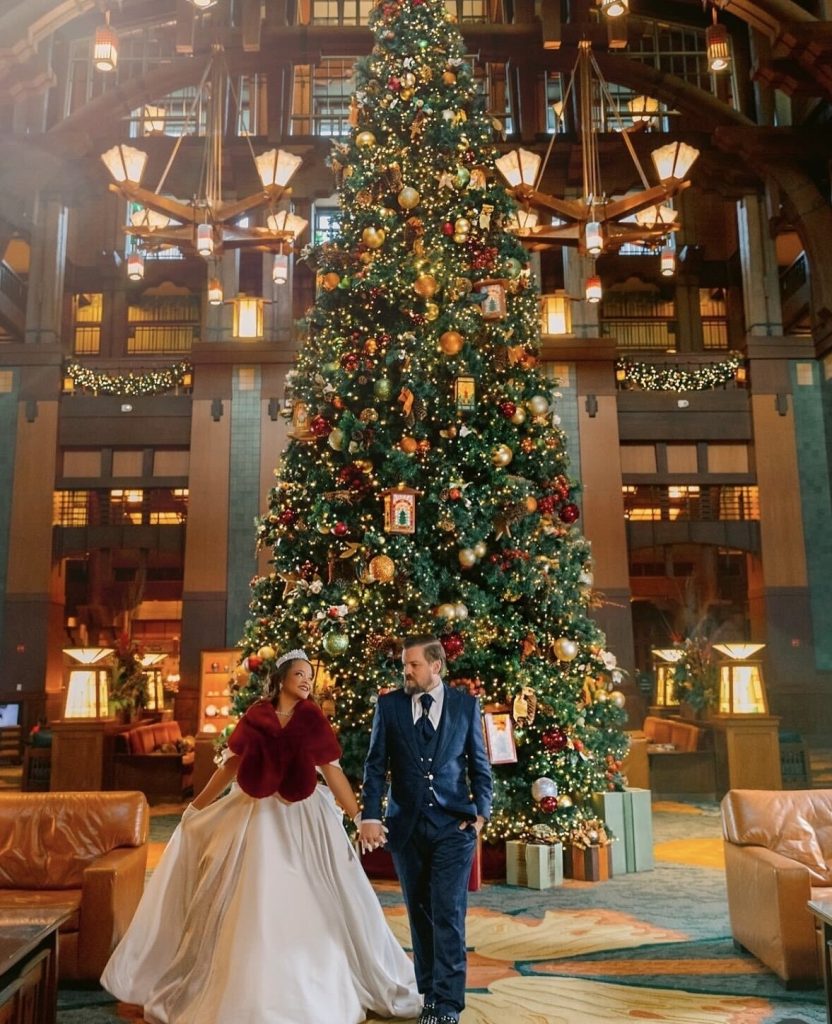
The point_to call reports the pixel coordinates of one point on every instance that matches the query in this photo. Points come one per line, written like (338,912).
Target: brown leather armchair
(778,856)
(85,852)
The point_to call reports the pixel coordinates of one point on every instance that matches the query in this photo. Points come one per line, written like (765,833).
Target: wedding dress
(259,912)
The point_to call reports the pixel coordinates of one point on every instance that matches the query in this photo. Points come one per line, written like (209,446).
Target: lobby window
(182,112)
(467,10)
(139,52)
(163,324)
(326,223)
(341,12)
(70,508)
(639,320)
(690,502)
(252,112)
(492,83)
(680,50)
(714,315)
(87,314)
(321,97)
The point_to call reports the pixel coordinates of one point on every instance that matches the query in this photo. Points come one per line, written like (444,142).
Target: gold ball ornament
(461,610)
(330,281)
(451,342)
(530,504)
(519,417)
(480,550)
(467,558)
(564,802)
(461,238)
(408,198)
(446,611)
(408,79)
(448,78)
(565,649)
(368,415)
(373,238)
(502,455)
(618,698)
(336,440)
(266,652)
(425,286)
(409,445)
(241,674)
(462,226)
(431,311)
(538,405)
(382,568)
(406,94)
(365,139)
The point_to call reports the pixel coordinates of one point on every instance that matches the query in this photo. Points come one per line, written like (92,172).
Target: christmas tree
(425,488)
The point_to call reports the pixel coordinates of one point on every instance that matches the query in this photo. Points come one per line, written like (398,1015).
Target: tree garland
(154,382)
(657,377)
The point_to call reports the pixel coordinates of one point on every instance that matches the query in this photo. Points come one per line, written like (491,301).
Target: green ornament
(336,643)
(514,267)
(463,176)
(383,388)
(519,737)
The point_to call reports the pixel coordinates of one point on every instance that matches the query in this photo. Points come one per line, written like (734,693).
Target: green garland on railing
(667,377)
(154,382)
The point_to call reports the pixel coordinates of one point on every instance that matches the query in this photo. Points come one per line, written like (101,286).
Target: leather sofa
(81,852)
(778,856)
(682,736)
(149,761)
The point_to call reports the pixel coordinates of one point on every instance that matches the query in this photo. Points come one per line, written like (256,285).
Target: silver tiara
(296,655)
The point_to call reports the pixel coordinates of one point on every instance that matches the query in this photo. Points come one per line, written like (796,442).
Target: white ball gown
(259,912)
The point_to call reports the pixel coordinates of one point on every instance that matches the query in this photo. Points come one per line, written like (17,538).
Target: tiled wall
(244,496)
(810,398)
(8,433)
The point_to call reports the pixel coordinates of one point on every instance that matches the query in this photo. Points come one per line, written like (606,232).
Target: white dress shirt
(438,694)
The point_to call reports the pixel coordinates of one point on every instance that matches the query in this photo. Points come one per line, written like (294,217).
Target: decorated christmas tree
(425,487)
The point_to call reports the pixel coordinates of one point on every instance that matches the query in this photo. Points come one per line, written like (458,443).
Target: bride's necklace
(284,714)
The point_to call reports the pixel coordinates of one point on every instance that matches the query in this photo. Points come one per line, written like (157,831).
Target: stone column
(760,281)
(44,302)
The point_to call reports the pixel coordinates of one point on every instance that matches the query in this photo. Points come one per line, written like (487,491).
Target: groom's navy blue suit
(437,779)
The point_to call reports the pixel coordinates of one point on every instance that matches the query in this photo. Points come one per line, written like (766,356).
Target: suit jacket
(461,769)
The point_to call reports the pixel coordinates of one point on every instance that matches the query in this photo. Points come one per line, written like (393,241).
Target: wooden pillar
(44,301)
(760,281)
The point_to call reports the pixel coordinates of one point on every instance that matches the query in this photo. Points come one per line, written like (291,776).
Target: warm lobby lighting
(593,290)
(87,688)
(741,687)
(88,655)
(248,317)
(205,240)
(643,109)
(717,46)
(556,314)
(276,167)
(287,222)
(665,660)
(673,161)
(594,238)
(135,266)
(214,292)
(519,167)
(615,8)
(125,163)
(667,262)
(280,269)
(105,47)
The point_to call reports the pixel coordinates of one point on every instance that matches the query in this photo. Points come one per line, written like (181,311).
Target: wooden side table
(29,965)
(822,909)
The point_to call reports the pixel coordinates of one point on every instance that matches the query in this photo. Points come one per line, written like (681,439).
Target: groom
(428,736)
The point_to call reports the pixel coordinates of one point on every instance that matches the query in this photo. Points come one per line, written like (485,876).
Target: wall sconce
(781,404)
(741,687)
(105,47)
(87,682)
(665,660)
(248,317)
(67,385)
(31,410)
(591,406)
(216,409)
(556,313)
(274,409)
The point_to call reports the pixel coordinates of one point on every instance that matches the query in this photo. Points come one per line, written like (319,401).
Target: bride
(259,911)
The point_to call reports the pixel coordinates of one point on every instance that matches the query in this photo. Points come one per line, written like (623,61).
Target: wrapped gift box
(638,829)
(588,863)
(535,865)
(610,807)
(629,816)
(475,878)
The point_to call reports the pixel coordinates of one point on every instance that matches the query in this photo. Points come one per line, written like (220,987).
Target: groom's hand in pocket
(477,825)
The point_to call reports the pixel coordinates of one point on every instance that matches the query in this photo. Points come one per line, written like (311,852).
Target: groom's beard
(411,686)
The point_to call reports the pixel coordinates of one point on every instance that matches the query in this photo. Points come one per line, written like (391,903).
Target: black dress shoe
(428,1015)
(445,1018)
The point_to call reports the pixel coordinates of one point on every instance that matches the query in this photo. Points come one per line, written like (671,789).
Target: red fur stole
(282,760)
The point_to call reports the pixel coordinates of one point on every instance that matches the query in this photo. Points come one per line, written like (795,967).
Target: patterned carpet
(650,947)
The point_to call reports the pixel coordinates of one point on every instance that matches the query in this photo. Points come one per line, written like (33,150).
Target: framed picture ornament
(299,428)
(400,509)
(465,393)
(493,292)
(499,737)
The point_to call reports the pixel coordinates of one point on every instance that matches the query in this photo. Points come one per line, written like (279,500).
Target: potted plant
(696,677)
(128,693)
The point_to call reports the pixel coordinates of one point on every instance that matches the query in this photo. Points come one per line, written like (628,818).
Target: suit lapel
(450,719)
(404,712)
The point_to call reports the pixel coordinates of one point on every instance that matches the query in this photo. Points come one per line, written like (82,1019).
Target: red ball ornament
(253,663)
(340,529)
(453,644)
(569,513)
(320,426)
(454,494)
(549,804)
(350,362)
(447,228)
(547,504)
(393,83)
(288,516)
(554,739)
(507,409)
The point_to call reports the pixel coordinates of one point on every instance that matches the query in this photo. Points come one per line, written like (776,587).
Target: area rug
(650,947)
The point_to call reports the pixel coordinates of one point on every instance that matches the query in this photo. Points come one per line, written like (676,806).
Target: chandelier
(207,224)
(594,222)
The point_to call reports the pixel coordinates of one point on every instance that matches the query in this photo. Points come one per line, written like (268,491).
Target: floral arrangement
(695,675)
(129,689)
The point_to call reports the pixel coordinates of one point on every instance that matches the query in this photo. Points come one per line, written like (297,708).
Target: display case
(216,672)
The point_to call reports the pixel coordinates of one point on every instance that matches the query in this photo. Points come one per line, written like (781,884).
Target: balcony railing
(151,507)
(12,286)
(692,503)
